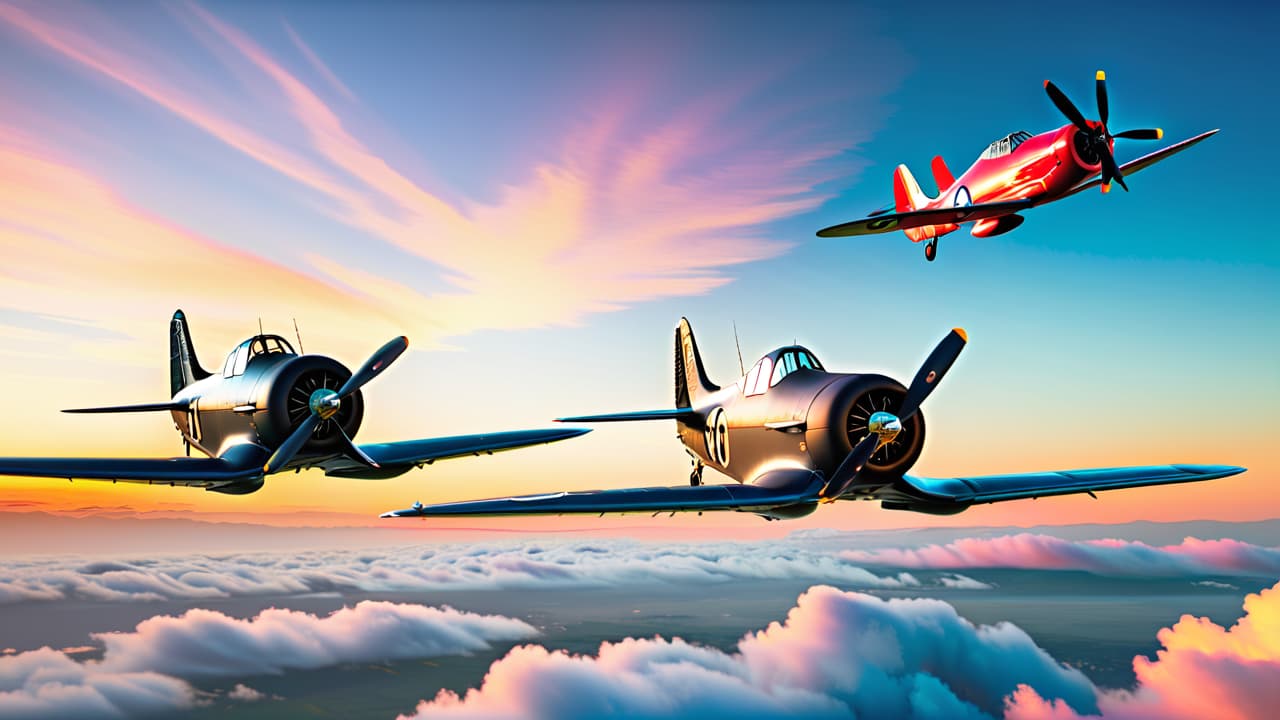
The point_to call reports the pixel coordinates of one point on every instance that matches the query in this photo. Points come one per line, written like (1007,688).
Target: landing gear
(695,476)
(931,250)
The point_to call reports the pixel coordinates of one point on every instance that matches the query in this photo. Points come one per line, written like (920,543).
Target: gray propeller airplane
(269,410)
(793,435)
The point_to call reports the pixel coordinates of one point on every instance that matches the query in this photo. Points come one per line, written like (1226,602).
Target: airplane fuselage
(257,398)
(1041,169)
(809,419)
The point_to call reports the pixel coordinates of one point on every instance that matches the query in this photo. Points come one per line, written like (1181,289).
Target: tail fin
(184,368)
(942,174)
(691,377)
(907,195)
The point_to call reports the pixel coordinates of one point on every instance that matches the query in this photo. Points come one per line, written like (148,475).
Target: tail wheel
(931,250)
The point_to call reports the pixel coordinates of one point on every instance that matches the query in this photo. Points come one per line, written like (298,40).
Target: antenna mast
(741,368)
(298,332)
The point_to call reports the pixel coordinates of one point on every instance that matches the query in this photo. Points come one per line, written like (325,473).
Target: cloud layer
(140,671)
(851,655)
(1203,671)
(837,655)
(1107,557)
(460,566)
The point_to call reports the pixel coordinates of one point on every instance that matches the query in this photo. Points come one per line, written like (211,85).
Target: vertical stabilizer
(942,174)
(691,377)
(184,368)
(907,195)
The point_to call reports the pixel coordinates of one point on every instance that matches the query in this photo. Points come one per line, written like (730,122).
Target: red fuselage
(1041,168)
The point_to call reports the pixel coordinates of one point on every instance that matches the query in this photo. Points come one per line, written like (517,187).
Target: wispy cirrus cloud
(1109,557)
(622,212)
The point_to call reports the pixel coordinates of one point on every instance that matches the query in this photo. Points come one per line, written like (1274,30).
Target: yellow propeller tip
(1101,75)
(960,331)
(1159,134)
(1106,188)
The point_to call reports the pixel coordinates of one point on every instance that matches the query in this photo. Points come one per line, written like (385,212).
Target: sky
(535,195)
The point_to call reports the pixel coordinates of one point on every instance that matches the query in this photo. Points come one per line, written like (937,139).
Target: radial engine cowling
(838,420)
(287,395)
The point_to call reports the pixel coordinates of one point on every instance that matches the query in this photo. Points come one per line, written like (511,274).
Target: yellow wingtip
(1101,75)
(960,331)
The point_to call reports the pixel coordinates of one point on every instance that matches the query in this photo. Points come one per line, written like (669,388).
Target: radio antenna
(260,325)
(741,368)
(298,332)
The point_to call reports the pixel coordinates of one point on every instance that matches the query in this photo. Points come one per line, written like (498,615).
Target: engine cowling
(838,420)
(286,398)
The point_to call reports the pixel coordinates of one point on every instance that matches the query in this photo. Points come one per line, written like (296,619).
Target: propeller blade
(1145,134)
(1110,171)
(292,444)
(353,451)
(847,474)
(931,372)
(376,363)
(1100,86)
(1066,107)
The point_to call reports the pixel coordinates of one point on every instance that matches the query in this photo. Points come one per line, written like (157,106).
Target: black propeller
(1098,136)
(325,403)
(883,427)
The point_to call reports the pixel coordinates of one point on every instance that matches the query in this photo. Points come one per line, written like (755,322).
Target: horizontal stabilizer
(144,407)
(675,414)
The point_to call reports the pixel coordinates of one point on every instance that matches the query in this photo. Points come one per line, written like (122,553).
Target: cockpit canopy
(257,345)
(772,368)
(1005,145)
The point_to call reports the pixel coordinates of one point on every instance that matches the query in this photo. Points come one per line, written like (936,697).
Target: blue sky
(535,195)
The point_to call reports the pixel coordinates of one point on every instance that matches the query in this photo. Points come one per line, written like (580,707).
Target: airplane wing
(1145,161)
(415,452)
(674,414)
(937,494)
(633,500)
(196,472)
(919,218)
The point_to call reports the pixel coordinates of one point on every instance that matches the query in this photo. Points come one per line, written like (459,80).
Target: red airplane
(1015,173)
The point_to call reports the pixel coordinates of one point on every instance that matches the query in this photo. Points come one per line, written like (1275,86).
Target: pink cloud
(1118,557)
(1203,671)
(837,655)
